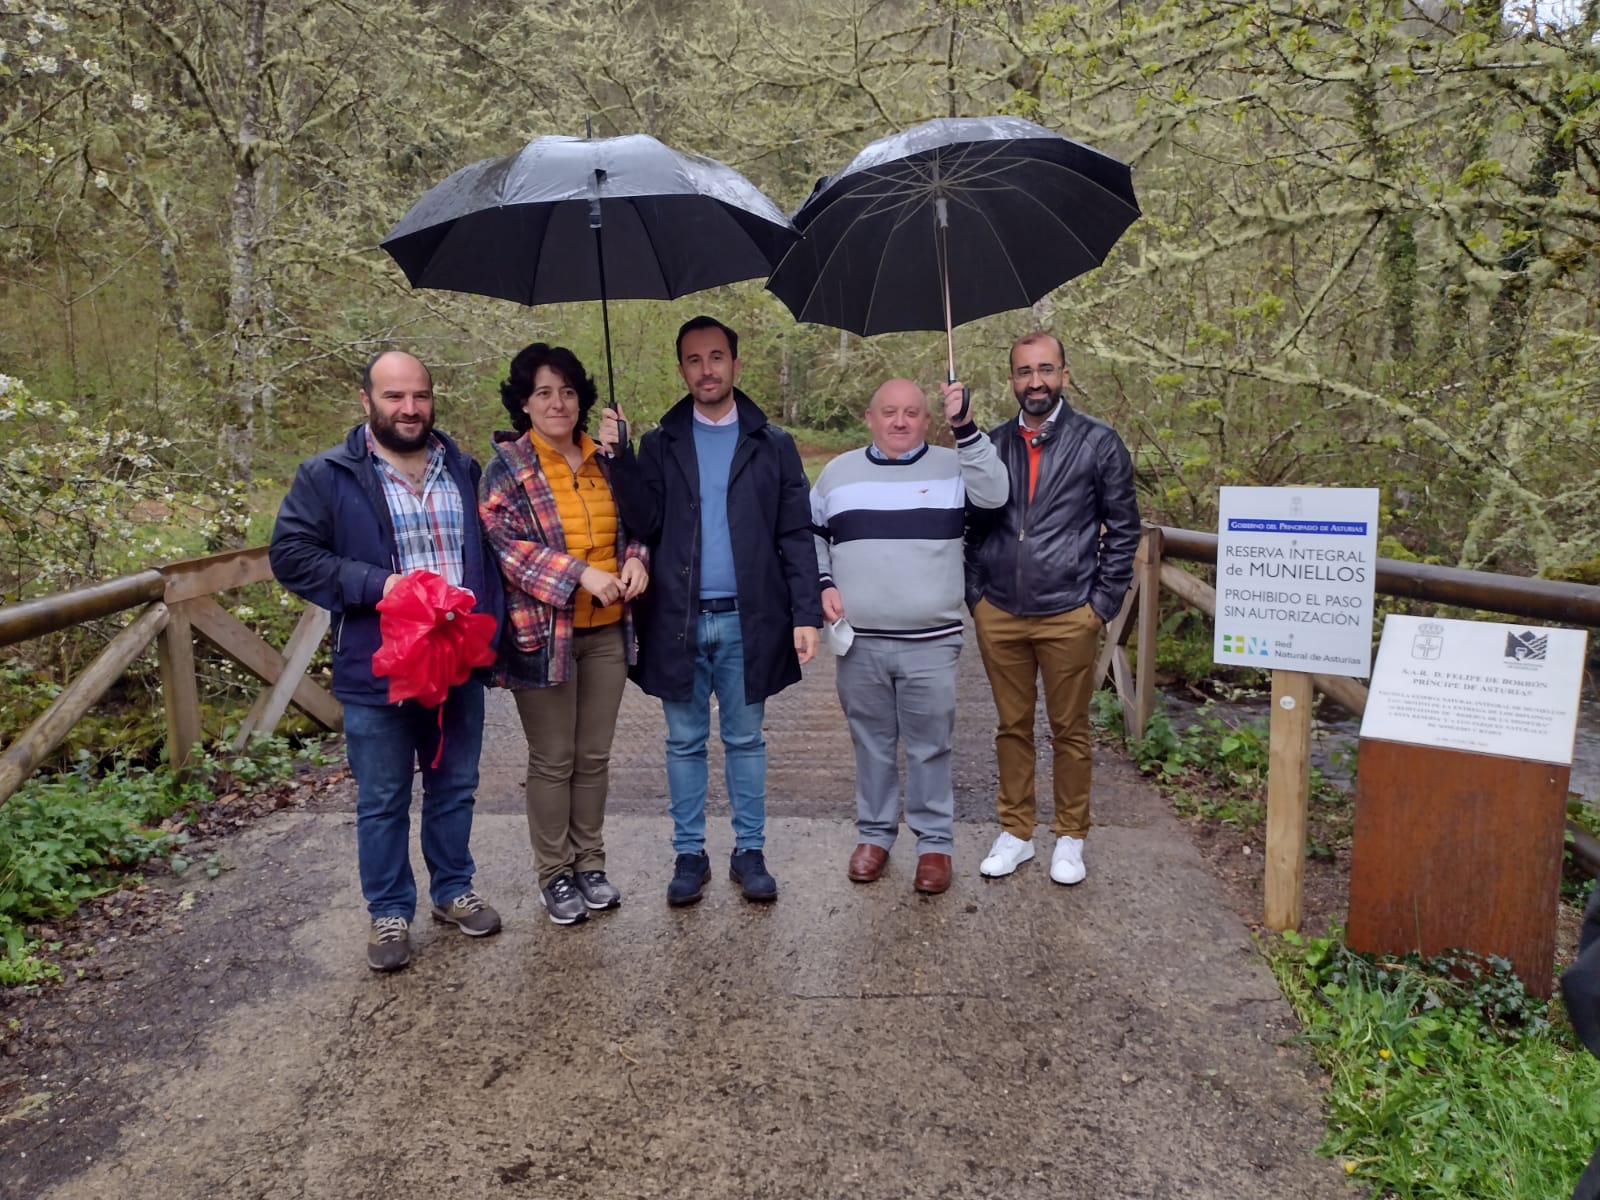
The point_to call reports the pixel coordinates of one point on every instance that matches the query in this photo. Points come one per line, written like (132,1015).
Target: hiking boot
(562,901)
(389,943)
(690,874)
(468,913)
(748,868)
(597,891)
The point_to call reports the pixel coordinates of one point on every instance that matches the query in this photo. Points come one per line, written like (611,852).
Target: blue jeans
(385,743)
(719,669)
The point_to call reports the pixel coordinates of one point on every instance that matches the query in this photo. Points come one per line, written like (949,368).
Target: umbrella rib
(902,218)
(1059,220)
(902,213)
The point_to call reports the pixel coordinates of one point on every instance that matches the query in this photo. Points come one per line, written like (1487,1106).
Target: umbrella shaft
(605,313)
(944,278)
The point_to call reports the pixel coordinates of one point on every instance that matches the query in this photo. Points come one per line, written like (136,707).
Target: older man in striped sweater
(889,520)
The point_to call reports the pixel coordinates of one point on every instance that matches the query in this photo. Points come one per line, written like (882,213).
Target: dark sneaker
(562,901)
(389,943)
(748,868)
(468,913)
(596,890)
(690,874)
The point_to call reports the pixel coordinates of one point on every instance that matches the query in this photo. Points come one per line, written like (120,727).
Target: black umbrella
(952,220)
(528,227)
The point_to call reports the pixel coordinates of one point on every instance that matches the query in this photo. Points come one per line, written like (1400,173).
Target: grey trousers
(569,727)
(902,693)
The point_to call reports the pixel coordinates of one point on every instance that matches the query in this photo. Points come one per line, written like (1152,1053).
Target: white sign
(1295,573)
(1477,685)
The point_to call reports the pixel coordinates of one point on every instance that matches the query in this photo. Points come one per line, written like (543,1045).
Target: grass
(1447,1081)
(68,837)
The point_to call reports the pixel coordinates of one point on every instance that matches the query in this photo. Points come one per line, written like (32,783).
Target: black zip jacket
(1051,555)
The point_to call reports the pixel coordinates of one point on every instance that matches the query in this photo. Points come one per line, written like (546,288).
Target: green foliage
(1576,881)
(68,837)
(1211,767)
(1399,290)
(85,497)
(1447,1079)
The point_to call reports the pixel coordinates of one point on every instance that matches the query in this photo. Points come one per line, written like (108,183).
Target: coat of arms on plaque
(1429,641)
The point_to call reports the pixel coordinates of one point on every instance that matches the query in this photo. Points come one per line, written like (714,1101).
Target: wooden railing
(1485,591)
(176,603)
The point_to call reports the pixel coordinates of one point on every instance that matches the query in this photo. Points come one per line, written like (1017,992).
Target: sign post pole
(1288,793)
(1295,574)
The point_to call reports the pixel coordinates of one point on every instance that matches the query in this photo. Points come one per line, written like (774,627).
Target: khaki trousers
(569,727)
(1016,650)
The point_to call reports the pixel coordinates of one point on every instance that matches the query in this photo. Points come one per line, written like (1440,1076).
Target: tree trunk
(1399,268)
(244,302)
(1522,244)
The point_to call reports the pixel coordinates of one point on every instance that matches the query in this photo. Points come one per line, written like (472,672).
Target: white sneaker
(1005,856)
(1066,863)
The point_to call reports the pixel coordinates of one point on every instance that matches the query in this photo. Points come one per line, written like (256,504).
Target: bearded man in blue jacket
(396,496)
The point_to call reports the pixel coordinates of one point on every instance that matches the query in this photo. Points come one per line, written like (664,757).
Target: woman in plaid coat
(571,573)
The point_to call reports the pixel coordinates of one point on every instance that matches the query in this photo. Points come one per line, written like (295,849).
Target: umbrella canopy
(952,220)
(519,227)
(431,638)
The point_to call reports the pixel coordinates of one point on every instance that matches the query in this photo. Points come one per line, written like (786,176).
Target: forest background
(1367,255)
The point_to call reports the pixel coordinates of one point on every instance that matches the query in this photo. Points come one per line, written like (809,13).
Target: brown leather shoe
(866,864)
(933,874)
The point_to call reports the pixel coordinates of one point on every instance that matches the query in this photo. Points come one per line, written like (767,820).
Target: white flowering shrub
(82,499)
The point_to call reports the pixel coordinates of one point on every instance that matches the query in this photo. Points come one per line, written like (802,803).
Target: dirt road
(1008,1039)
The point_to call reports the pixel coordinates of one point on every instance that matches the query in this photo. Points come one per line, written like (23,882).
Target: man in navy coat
(734,605)
(396,496)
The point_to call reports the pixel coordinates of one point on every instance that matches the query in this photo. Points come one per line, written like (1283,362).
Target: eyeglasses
(1045,372)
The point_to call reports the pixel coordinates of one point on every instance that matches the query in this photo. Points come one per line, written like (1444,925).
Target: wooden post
(77,698)
(269,707)
(180,695)
(1113,655)
(1288,790)
(1147,566)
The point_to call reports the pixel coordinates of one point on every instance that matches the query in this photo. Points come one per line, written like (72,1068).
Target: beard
(388,435)
(1038,406)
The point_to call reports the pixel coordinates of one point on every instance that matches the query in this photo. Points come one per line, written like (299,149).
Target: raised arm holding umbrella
(941,224)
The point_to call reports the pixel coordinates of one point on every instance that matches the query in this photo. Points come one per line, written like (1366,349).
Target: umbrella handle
(965,414)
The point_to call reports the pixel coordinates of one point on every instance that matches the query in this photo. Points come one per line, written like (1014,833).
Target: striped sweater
(889,532)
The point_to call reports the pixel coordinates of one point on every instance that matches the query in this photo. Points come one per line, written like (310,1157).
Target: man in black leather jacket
(1045,573)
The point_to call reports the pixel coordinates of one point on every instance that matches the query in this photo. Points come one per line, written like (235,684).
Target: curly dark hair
(518,386)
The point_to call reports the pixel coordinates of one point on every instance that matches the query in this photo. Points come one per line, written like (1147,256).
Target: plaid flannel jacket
(540,575)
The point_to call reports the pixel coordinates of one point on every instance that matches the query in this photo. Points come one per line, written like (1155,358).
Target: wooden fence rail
(179,604)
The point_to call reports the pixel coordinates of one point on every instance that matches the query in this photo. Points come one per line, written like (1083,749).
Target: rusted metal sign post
(1466,750)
